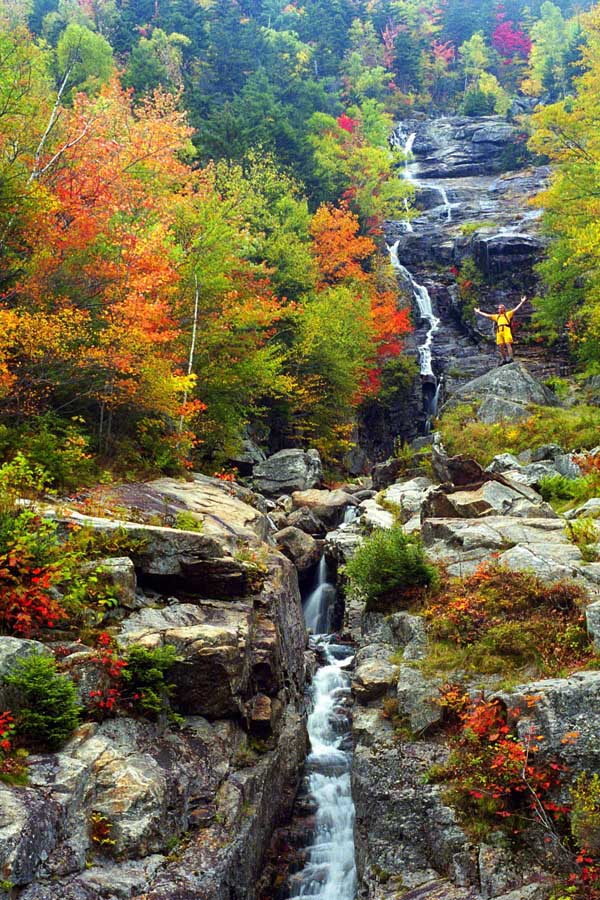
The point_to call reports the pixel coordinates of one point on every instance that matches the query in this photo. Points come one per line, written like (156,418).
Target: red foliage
(347,123)
(511,42)
(26,604)
(499,769)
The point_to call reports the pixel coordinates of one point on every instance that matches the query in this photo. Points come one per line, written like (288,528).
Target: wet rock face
(462,146)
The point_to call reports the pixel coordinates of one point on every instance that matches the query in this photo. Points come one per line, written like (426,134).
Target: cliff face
(474,241)
(190,809)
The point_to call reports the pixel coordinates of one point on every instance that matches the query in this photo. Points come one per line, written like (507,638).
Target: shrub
(20,480)
(12,769)
(585,812)
(146,674)
(62,449)
(387,566)
(494,773)
(557,487)
(584,534)
(46,708)
(28,570)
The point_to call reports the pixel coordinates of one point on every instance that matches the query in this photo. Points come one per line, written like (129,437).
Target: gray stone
(298,546)
(408,496)
(546,451)
(342,543)
(508,383)
(305,519)
(409,633)
(504,462)
(418,699)
(373,516)
(590,508)
(561,705)
(373,679)
(496,409)
(328,506)
(288,471)
(592,617)
(212,642)
(532,473)
(565,465)
(117,574)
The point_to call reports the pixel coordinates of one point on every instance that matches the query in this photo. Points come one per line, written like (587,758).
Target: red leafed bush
(12,769)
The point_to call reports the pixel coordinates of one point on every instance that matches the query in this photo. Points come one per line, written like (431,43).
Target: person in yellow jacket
(504,336)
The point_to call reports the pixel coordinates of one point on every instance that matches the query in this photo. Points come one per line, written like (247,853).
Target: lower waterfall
(329,872)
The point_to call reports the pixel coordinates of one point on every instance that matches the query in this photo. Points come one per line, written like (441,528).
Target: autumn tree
(567,132)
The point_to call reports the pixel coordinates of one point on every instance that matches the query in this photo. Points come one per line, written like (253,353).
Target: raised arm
(519,305)
(480,313)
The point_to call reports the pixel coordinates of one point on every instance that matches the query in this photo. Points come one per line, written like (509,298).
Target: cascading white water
(408,155)
(445,201)
(317,607)
(330,870)
(423,301)
(350,514)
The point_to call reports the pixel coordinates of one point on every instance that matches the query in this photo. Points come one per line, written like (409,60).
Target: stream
(329,872)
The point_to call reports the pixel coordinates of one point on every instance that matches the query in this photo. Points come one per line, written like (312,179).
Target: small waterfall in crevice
(445,201)
(318,606)
(329,870)
(350,515)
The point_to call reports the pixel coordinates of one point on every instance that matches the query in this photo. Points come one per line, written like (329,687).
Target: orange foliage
(338,248)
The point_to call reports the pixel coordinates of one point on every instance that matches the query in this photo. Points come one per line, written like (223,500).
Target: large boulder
(14,649)
(288,471)
(492,498)
(559,707)
(298,546)
(225,511)
(212,642)
(511,383)
(408,496)
(373,679)
(305,519)
(495,253)
(328,506)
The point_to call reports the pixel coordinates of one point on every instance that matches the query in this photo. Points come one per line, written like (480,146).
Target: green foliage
(45,706)
(20,480)
(585,812)
(187,521)
(560,386)
(583,532)
(146,676)
(84,58)
(576,427)
(61,449)
(388,570)
(557,487)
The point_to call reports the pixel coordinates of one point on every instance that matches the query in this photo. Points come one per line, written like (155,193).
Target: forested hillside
(192,200)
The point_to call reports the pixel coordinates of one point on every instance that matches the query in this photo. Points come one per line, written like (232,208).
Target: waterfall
(350,514)
(407,174)
(317,607)
(329,872)
(425,307)
(445,201)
